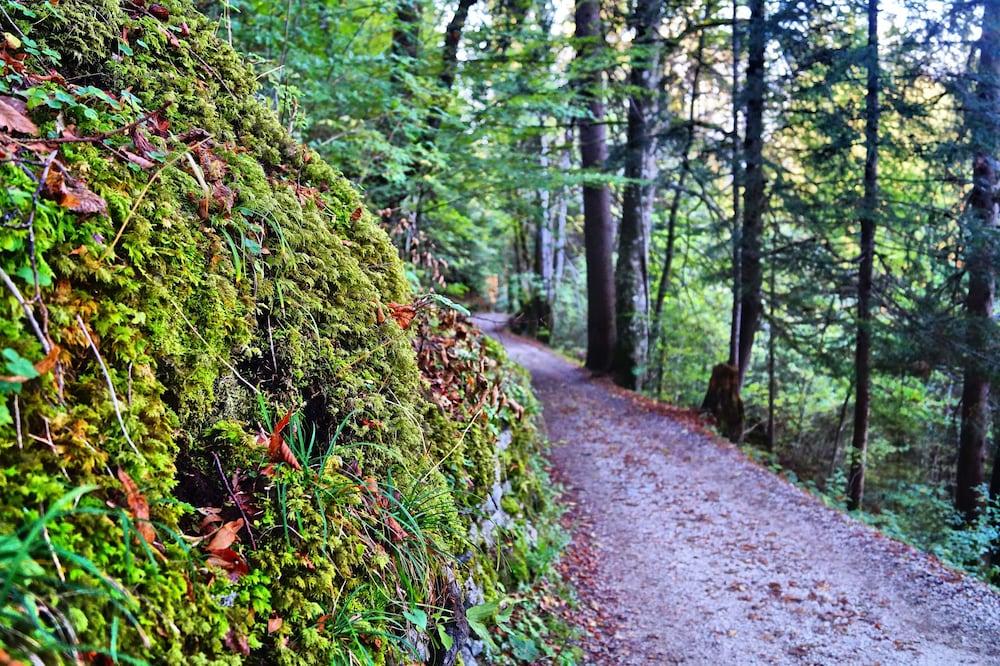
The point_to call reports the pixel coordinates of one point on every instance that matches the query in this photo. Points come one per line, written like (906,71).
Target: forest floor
(685,551)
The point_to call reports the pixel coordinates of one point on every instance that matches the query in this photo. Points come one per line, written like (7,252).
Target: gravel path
(693,554)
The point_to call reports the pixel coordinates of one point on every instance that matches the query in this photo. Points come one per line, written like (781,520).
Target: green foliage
(232,279)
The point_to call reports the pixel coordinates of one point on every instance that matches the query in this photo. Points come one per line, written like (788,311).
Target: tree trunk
(980,252)
(452,38)
(869,211)
(675,202)
(737,170)
(632,271)
(753,194)
(598,230)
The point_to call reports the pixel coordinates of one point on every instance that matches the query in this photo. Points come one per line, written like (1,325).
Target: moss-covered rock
(180,275)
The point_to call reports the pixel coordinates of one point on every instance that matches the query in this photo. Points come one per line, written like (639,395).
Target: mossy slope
(232,277)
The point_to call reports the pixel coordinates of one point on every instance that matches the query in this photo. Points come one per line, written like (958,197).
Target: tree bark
(869,211)
(980,257)
(632,270)
(737,170)
(452,38)
(598,229)
(675,202)
(753,194)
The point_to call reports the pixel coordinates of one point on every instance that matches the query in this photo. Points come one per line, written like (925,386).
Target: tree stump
(722,401)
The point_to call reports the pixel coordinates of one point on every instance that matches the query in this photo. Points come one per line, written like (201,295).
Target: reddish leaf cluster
(138,505)
(462,378)
(221,536)
(278,450)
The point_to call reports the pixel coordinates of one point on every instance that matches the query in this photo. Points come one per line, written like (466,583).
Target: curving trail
(686,552)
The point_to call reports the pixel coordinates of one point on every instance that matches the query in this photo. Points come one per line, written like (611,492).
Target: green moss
(211,322)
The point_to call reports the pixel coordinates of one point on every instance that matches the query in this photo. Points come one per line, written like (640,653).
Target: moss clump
(227,277)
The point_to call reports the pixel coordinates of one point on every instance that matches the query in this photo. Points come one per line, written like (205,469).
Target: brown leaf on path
(138,505)
(403,314)
(226,535)
(13,116)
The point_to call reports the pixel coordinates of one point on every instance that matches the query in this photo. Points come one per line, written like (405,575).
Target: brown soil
(684,551)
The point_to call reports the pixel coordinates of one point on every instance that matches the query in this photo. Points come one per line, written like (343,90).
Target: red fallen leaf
(277,448)
(273,624)
(71,193)
(356,215)
(321,622)
(185,30)
(226,535)
(159,125)
(13,118)
(230,561)
(211,519)
(398,533)
(160,12)
(403,314)
(234,641)
(138,505)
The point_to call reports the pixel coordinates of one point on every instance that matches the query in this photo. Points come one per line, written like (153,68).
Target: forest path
(684,551)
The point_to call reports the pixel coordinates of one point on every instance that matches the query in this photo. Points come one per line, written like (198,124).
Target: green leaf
(524,648)
(18,365)
(446,640)
(417,617)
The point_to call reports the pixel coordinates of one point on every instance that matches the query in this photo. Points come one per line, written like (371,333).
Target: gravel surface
(684,551)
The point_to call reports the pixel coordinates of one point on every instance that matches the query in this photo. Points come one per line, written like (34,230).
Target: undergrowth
(227,435)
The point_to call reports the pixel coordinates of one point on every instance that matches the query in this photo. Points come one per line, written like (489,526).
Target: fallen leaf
(230,561)
(403,314)
(277,448)
(356,215)
(273,624)
(160,12)
(13,118)
(138,505)
(226,535)
(71,193)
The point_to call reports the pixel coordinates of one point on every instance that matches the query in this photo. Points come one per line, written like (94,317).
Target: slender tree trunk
(598,228)
(869,212)
(562,210)
(981,249)
(772,380)
(632,272)
(452,38)
(675,203)
(753,194)
(737,170)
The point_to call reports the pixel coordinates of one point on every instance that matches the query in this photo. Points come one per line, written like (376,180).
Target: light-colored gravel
(704,557)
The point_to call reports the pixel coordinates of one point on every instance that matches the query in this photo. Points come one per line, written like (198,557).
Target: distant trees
(981,227)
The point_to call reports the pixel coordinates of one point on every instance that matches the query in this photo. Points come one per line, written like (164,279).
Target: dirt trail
(702,557)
